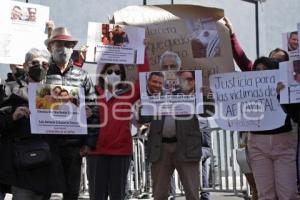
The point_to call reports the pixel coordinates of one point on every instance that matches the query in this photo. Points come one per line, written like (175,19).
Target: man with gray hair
(63,72)
(174,143)
(170,61)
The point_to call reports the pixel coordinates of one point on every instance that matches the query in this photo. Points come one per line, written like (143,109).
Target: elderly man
(63,72)
(169,61)
(174,143)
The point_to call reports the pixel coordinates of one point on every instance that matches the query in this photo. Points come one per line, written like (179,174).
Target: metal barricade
(84,188)
(138,178)
(225,174)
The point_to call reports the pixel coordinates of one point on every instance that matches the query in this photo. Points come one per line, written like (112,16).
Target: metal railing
(225,174)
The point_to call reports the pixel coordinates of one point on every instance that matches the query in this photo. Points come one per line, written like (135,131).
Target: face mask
(37,72)
(62,55)
(19,73)
(113,78)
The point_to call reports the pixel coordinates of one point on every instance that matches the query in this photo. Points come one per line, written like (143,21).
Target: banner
(247,101)
(191,32)
(24,29)
(171,92)
(290,44)
(290,77)
(57,109)
(113,43)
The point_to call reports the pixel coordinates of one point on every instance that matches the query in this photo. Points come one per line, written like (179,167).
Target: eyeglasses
(67,44)
(110,71)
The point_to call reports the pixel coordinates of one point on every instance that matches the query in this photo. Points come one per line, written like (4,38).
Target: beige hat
(60,34)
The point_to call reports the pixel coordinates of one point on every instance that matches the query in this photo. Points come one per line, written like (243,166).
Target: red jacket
(115,135)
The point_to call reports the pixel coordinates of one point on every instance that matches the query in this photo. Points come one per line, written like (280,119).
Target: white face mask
(62,55)
(113,78)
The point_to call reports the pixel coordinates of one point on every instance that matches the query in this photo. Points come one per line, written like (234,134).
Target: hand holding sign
(21,112)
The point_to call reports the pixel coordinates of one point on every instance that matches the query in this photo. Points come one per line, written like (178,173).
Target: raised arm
(240,57)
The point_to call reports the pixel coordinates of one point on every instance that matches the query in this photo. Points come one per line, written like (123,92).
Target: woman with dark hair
(272,154)
(108,164)
(111,71)
(279,55)
(109,39)
(245,64)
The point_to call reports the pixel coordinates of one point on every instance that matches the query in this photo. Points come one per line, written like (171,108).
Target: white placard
(57,109)
(247,101)
(290,44)
(171,92)
(290,77)
(113,43)
(24,29)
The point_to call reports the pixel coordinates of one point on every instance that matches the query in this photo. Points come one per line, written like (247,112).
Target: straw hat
(60,34)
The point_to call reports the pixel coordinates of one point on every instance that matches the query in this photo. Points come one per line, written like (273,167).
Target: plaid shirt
(77,77)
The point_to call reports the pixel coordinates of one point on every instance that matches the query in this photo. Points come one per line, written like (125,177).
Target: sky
(4,69)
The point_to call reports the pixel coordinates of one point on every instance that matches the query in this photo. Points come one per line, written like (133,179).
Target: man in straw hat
(63,72)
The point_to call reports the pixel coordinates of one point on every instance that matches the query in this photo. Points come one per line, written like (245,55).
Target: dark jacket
(292,110)
(46,179)
(188,134)
(77,77)
(188,137)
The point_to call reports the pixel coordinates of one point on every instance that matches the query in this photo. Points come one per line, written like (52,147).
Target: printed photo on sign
(205,39)
(247,101)
(28,17)
(114,43)
(27,14)
(24,24)
(290,77)
(57,97)
(171,92)
(57,109)
(194,33)
(290,44)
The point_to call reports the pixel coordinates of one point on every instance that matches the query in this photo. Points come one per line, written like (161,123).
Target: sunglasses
(116,71)
(64,44)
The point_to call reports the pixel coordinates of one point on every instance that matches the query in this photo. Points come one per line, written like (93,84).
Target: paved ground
(214,196)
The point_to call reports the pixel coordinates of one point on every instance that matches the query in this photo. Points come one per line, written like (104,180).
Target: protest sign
(192,32)
(24,29)
(290,44)
(113,43)
(171,92)
(57,110)
(247,101)
(290,77)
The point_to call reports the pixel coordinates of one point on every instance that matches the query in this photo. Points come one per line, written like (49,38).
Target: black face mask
(37,72)
(19,73)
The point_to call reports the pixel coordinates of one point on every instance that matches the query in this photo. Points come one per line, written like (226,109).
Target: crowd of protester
(171,144)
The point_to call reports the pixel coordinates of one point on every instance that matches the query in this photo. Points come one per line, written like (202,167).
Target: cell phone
(75,55)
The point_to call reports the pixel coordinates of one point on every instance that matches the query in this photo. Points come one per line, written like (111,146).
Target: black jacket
(77,77)
(46,179)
